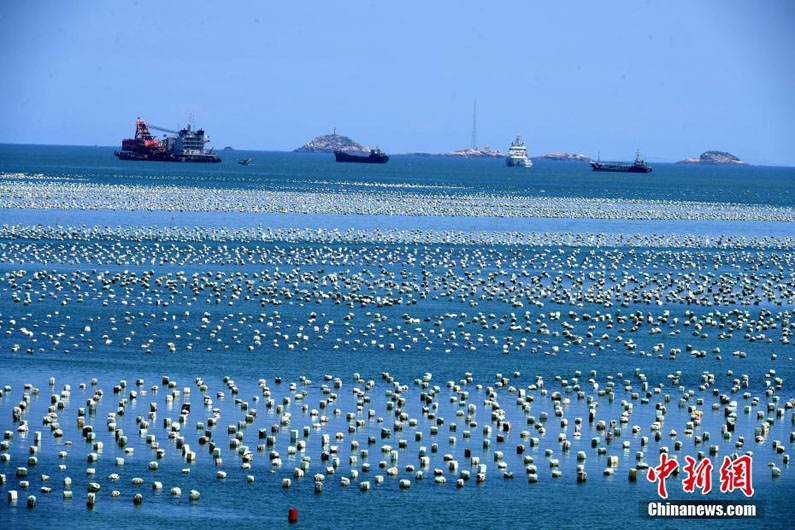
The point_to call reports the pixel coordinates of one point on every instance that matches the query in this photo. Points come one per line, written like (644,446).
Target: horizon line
(441,155)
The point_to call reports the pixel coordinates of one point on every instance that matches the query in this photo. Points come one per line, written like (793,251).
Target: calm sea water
(604,501)
(746,185)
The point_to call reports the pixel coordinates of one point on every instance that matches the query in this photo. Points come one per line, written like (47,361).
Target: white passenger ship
(517,155)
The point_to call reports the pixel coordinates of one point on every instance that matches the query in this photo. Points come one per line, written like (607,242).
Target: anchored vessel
(639,166)
(375,157)
(517,154)
(185,145)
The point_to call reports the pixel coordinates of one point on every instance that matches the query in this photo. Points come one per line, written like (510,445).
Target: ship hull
(518,162)
(166,157)
(342,156)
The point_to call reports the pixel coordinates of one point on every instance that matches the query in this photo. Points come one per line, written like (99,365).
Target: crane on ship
(162,129)
(185,145)
(143,139)
(171,131)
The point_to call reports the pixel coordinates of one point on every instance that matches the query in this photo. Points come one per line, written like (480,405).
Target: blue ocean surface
(186,313)
(745,185)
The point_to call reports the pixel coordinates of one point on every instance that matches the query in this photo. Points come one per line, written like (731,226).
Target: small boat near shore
(375,157)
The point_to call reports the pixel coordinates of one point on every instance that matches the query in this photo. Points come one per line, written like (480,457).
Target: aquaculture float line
(390,237)
(46,194)
(364,433)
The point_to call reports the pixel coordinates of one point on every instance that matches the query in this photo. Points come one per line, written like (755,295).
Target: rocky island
(563,157)
(329,143)
(488,152)
(718,158)
(474,152)
(469,152)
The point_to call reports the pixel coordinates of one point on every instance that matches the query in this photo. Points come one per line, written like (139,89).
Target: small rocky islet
(468,152)
(556,156)
(328,143)
(715,158)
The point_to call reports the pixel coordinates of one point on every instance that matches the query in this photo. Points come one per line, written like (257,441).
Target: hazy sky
(672,77)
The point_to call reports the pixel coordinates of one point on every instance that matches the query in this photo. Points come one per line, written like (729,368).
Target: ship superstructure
(517,154)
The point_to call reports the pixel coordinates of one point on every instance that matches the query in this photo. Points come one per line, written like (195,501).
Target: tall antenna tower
(475,125)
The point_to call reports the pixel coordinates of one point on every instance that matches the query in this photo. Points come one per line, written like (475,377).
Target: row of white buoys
(45,193)
(82,236)
(543,403)
(529,331)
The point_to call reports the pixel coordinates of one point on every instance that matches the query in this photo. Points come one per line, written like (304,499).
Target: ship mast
(475,125)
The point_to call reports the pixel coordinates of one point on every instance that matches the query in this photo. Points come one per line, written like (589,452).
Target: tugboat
(375,157)
(639,166)
(185,145)
(517,154)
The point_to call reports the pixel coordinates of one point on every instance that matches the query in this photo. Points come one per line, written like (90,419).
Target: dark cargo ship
(375,157)
(639,166)
(185,145)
